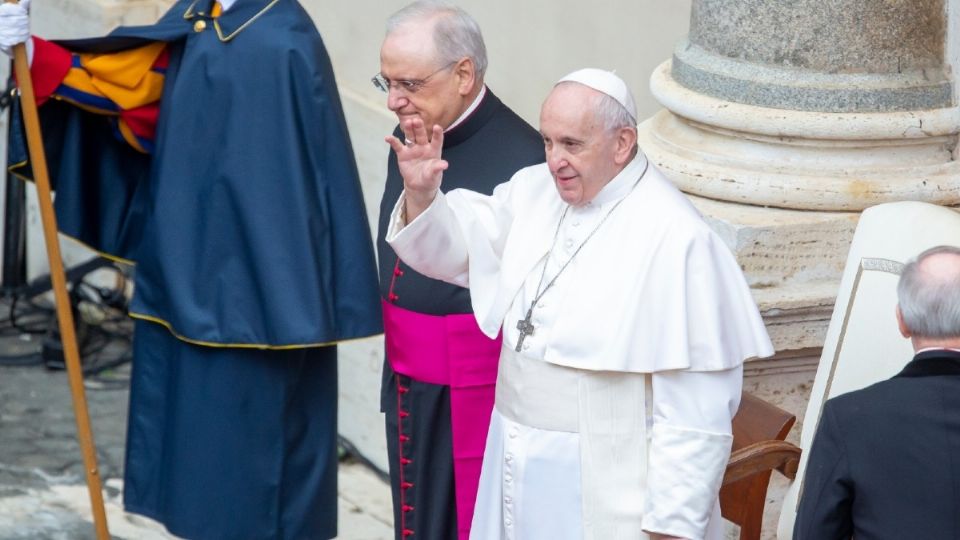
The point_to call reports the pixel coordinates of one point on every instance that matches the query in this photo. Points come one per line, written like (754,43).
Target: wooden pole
(41,178)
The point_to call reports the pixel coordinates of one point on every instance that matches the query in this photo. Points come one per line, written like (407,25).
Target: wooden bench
(759,430)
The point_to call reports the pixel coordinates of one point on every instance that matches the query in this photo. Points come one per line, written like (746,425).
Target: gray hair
(613,115)
(455,36)
(930,303)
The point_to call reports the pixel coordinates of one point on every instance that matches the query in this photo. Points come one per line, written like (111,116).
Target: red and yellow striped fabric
(125,85)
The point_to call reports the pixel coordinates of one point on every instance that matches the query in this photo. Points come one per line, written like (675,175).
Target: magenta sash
(450,350)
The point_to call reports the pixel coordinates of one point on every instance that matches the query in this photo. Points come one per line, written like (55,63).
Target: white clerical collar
(473,106)
(622,183)
(926,349)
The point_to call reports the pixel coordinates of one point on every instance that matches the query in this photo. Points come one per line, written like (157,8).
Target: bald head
(929,297)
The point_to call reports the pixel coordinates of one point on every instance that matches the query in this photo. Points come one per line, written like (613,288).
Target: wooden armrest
(762,456)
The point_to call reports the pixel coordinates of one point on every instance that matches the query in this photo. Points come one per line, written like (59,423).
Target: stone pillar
(784,119)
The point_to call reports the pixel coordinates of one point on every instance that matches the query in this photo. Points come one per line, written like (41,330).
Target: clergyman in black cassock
(439,372)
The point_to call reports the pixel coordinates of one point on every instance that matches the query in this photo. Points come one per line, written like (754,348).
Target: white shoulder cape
(656,288)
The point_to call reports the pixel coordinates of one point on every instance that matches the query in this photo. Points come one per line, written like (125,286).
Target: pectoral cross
(525,327)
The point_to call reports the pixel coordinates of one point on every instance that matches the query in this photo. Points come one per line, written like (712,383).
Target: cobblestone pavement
(42,491)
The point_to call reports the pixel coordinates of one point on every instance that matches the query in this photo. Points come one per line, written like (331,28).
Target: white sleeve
(689,448)
(431,244)
(461,233)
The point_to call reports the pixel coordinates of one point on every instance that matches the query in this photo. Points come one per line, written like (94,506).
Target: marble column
(783,120)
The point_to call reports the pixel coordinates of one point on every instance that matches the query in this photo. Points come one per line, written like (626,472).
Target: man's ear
(904,331)
(626,142)
(466,72)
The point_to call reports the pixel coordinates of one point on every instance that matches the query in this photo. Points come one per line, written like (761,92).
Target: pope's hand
(418,158)
(14,25)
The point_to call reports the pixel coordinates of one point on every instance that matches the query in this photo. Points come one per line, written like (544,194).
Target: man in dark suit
(885,461)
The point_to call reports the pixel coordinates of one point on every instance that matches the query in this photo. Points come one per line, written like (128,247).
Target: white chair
(863,344)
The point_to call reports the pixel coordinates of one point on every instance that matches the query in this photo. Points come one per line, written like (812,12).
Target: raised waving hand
(420,164)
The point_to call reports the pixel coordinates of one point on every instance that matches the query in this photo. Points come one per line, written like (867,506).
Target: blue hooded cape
(247,222)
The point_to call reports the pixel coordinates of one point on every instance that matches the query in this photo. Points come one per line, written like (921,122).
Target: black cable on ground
(348,452)
(105,340)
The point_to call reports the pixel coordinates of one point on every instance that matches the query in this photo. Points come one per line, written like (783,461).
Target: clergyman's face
(581,153)
(408,53)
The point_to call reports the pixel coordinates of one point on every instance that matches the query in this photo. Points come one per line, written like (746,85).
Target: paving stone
(42,490)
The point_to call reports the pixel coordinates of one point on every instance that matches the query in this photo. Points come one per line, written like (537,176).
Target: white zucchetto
(606,82)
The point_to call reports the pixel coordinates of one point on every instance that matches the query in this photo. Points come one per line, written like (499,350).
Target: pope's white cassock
(614,417)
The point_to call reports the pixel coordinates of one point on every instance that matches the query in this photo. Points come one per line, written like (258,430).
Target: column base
(801,159)
(793,261)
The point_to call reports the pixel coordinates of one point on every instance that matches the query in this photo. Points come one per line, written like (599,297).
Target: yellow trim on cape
(109,256)
(168,326)
(260,346)
(104,254)
(12,169)
(190,14)
(231,35)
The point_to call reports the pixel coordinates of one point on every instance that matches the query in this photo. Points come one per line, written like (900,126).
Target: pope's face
(581,154)
(408,54)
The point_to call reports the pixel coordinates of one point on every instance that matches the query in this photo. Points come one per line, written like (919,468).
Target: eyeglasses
(411,86)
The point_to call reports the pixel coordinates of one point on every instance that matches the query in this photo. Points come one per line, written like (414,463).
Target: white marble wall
(953,52)
(531,43)
(953,37)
